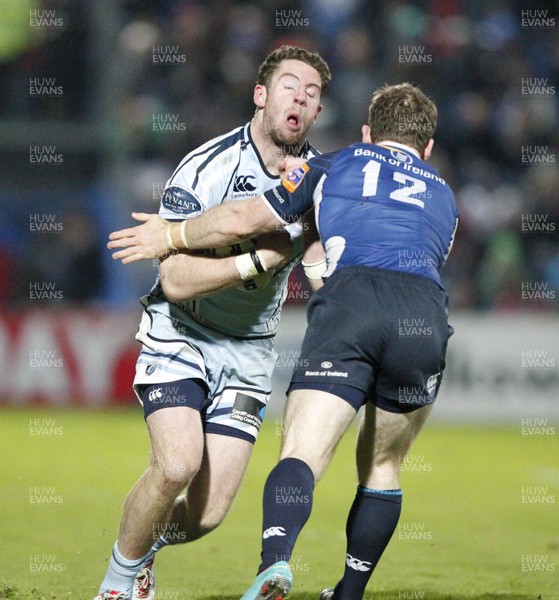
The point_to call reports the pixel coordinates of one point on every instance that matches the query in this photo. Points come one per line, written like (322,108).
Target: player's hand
(288,164)
(142,242)
(276,249)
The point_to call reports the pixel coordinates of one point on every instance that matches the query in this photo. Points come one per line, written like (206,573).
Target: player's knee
(316,463)
(173,475)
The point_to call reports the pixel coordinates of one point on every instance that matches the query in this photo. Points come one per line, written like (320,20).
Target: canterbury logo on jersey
(358,565)
(271,531)
(243,184)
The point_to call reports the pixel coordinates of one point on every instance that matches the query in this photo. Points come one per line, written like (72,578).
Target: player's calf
(211,493)
(187,523)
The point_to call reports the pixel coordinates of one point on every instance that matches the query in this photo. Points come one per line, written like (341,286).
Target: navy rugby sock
(371,522)
(287,505)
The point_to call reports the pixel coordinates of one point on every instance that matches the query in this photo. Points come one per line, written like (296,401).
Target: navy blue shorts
(376,335)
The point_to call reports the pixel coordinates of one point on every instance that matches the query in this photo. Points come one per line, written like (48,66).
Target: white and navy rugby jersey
(228,168)
(375,205)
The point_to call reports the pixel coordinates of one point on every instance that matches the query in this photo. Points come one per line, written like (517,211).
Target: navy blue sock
(287,505)
(371,522)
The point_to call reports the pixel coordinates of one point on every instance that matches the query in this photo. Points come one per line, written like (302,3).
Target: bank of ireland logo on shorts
(326,369)
(294,178)
(248,409)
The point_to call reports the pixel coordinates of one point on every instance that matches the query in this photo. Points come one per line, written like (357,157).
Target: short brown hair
(402,113)
(313,59)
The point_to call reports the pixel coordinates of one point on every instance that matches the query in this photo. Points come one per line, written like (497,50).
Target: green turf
(463,532)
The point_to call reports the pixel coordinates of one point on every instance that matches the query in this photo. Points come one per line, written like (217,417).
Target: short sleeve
(290,200)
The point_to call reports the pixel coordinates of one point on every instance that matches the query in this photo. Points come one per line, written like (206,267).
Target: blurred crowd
(182,71)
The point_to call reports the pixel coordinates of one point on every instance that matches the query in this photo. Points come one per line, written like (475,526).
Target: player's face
(291,103)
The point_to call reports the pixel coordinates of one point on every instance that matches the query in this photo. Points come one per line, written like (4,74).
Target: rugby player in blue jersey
(207,332)
(387,222)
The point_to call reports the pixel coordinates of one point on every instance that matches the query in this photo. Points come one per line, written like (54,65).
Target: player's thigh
(384,440)
(240,385)
(414,356)
(177,442)
(224,464)
(314,424)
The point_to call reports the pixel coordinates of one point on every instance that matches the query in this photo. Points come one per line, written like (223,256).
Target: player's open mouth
(294,121)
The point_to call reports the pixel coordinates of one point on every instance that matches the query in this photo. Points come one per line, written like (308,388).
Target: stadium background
(101,99)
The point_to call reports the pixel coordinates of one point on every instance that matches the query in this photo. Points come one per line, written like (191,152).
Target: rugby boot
(144,584)
(272,584)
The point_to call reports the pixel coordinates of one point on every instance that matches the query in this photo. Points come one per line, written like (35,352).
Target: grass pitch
(479,519)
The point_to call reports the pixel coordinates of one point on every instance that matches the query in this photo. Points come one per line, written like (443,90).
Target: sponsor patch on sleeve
(180,201)
(294,178)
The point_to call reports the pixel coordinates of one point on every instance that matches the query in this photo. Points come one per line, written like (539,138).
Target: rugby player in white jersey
(207,332)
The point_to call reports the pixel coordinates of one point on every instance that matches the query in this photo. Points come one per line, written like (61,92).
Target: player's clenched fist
(290,163)
(146,241)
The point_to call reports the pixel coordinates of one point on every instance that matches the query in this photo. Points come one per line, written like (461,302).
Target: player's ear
(318,110)
(259,96)
(366,132)
(428,149)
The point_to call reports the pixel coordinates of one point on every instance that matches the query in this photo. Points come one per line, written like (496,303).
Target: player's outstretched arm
(226,224)
(220,226)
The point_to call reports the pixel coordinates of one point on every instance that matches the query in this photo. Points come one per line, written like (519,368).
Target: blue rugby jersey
(375,205)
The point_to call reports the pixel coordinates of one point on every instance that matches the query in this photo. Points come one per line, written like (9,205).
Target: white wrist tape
(250,265)
(170,238)
(183,234)
(315,270)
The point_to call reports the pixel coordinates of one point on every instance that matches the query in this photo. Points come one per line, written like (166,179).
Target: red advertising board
(65,357)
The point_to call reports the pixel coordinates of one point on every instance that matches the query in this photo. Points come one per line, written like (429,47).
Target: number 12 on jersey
(402,194)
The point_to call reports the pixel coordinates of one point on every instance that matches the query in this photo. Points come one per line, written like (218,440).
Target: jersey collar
(305,148)
(397,146)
